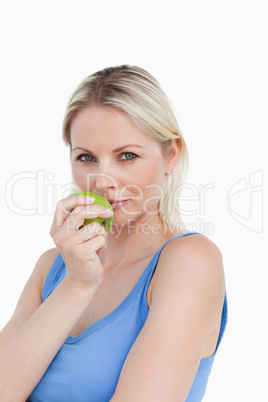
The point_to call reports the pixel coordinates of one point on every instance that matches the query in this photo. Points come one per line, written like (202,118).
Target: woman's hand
(80,246)
(23,346)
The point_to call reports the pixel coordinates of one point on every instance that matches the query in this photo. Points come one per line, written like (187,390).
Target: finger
(101,249)
(96,244)
(66,206)
(77,217)
(90,211)
(89,231)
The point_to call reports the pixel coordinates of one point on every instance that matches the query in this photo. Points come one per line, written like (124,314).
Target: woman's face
(114,158)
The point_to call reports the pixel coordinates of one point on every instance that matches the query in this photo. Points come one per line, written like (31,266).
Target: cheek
(155,181)
(79,177)
(148,183)
(154,174)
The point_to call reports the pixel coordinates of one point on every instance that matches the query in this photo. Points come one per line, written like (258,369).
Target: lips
(118,203)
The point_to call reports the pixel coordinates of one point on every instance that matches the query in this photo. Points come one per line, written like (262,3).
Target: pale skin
(185,296)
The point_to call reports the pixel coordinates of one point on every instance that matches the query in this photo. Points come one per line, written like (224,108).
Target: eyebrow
(115,150)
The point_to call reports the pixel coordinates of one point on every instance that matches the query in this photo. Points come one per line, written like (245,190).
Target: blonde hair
(135,92)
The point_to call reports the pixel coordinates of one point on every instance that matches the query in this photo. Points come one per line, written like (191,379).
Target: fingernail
(90,199)
(108,211)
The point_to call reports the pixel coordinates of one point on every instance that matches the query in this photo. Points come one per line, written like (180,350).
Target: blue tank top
(87,366)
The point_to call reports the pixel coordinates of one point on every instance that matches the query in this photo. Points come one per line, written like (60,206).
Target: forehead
(106,124)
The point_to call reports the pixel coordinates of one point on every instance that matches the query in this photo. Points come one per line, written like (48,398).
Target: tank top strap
(150,271)
(154,260)
(57,269)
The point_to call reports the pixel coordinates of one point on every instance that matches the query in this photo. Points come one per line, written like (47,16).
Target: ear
(175,153)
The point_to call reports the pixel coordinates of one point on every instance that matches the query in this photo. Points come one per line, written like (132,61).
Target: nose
(104,181)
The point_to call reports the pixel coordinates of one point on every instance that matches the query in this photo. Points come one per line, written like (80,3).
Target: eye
(85,158)
(127,156)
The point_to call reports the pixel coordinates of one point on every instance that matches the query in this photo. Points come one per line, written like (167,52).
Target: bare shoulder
(44,263)
(42,267)
(196,241)
(32,292)
(193,267)
(31,296)
(194,254)
(182,325)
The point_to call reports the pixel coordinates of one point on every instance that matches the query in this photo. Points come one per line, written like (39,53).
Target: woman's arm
(35,333)
(37,330)
(186,304)
(31,296)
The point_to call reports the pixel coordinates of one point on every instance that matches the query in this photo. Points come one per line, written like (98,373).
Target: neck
(133,241)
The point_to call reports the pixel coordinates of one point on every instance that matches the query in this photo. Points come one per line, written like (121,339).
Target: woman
(135,314)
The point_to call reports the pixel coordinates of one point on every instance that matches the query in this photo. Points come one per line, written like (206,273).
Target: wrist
(78,291)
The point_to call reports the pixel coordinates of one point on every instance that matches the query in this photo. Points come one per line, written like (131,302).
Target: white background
(211,59)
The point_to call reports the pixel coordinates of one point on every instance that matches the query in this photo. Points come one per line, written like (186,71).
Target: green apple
(105,222)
